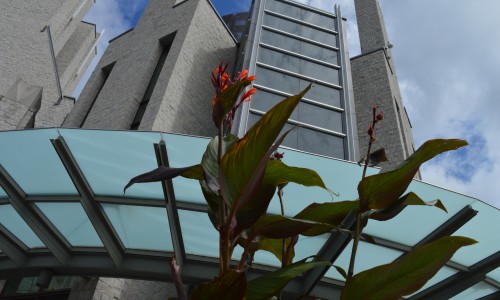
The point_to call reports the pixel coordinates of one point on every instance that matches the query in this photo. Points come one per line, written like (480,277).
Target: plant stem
(357,233)
(223,235)
(283,253)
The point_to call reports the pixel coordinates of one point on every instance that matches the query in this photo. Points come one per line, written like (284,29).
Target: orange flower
(246,96)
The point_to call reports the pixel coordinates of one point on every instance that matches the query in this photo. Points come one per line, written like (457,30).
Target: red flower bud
(370,130)
(380,116)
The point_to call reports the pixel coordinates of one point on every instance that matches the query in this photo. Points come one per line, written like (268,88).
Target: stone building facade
(375,82)
(45,48)
(155,77)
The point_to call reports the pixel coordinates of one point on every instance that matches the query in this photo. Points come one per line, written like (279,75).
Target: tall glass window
(298,46)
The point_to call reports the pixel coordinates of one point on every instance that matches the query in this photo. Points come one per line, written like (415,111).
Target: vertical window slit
(152,83)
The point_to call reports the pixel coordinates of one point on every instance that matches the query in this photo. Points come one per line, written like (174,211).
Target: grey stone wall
(371,26)
(14,115)
(181,100)
(26,52)
(105,288)
(372,86)
(375,82)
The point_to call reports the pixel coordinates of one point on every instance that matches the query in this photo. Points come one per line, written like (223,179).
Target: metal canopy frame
(170,201)
(17,198)
(461,281)
(114,260)
(92,208)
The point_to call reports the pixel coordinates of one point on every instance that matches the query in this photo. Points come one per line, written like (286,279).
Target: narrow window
(105,71)
(166,43)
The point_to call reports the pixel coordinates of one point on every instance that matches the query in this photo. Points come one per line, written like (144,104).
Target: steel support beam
(17,199)
(494,296)
(461,281)
(11,247)
(94,211)
(171,206)
(332,249)
(449,227)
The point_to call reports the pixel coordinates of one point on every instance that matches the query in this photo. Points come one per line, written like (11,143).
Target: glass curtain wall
(295,45)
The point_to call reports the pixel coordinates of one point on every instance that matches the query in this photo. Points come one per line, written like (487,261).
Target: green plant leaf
(243,166)
(406,275)
(231,285)
(382,190)
(209,159)
(277,227)
(227,100)
(341,271)
(408,199)
(270,284)
(332,213)
(277,173)
(275,246)
(209,163)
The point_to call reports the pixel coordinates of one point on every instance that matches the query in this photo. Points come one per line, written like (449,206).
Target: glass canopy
(62,207)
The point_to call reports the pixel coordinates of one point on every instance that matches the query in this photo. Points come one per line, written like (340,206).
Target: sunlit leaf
(332,213)
(408,199)
(231,285)
(272,283)
(209,159)
(382,190)
(165,173)
(244,164)
(209,163)
(406,275)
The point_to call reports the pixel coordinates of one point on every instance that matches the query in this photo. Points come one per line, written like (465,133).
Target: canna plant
(240,176)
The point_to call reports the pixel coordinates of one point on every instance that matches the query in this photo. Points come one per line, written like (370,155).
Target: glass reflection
(300,30)
(320,116)
(279,60)
(264,101)
(320,72)
(299,46)
(322,93)
(278,81)
(321,143)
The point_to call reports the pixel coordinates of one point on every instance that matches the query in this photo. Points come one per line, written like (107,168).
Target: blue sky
(447,54)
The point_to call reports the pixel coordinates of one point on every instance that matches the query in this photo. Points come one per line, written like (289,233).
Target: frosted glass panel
(31,160)
(11,220)
(140,227)
(198,233)
(477,291)
(109,159)
(484,229)
(72,222)
(186,151)
(3,195)
(367,257)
